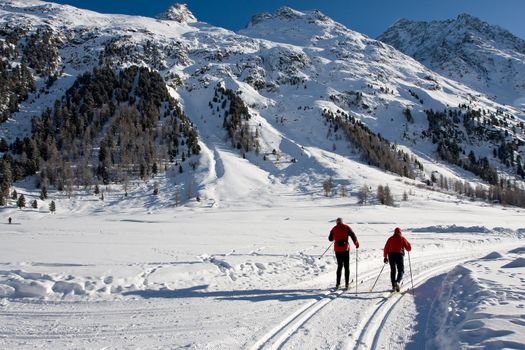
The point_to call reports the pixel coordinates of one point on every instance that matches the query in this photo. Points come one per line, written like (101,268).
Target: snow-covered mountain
(485,57)
(179,13)
(300,81)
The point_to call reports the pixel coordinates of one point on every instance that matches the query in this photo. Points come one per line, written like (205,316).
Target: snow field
(224,277)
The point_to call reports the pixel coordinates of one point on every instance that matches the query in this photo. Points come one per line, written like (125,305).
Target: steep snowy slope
(485,57)
(294,75)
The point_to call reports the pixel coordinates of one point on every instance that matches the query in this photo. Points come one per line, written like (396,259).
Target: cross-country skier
(394,253)
(339,235)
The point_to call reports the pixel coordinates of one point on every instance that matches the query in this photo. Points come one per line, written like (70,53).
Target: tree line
(451,129)
(375,149)
(236,115)
(21,54)
(110,126)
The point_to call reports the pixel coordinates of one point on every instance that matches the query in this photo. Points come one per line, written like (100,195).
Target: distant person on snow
(394,253)
(9,219)
(339,235)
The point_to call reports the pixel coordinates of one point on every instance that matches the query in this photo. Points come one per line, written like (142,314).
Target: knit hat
(397,231)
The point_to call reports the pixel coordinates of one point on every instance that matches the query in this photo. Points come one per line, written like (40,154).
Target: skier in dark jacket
(394,253)
(339,235)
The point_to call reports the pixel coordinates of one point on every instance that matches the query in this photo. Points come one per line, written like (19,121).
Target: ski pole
(325,250)
(411,279)
(378,277)
(356,279)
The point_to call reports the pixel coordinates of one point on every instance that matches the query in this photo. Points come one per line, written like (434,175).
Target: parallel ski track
(277,336)
(369,330)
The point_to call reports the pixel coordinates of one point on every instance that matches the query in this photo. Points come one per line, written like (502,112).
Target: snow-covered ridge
(287,13)
(179,13)
(485,57)
(287,25)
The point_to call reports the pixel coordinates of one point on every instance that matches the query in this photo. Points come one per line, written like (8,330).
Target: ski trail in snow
(369,330)
(279,335)
(375,314)
(294,321)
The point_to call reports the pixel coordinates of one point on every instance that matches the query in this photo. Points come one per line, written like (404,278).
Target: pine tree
(388,198)
(408,115)
(43,193)
(14,195)
(21,202)
(34,204)
(6,178)
(381,194)
(362,195)
(328,185)
(52,207)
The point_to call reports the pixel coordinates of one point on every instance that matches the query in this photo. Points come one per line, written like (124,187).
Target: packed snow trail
(328,323)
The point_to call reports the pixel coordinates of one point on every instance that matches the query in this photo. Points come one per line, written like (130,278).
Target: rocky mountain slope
(485,57)
(284,104)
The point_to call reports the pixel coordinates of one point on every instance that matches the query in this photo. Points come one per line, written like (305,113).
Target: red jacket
(395,244)
(339,234)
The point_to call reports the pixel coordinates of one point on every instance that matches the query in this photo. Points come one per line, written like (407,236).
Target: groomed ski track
(373,312)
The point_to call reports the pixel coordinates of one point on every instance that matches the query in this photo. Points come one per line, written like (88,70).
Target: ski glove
(356,244)
(385,260)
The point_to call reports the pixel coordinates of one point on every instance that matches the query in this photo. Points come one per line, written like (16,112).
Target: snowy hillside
(296,73)
(485,57)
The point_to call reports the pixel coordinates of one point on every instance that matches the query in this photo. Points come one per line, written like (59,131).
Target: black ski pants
(343,258)
(396,260)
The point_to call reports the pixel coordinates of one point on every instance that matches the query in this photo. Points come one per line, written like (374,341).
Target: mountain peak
(483,56)
(466,18)
(282,12)
(179,13)
(288,14)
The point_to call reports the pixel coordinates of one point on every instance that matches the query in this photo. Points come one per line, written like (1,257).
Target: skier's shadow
(254,295)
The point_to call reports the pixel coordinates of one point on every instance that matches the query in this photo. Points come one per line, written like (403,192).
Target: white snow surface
(248,276)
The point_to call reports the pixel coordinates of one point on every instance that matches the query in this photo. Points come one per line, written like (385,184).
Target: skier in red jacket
(339,234)
(394,253)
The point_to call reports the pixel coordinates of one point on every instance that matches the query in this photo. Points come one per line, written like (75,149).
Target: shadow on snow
(424,297)
(254,295)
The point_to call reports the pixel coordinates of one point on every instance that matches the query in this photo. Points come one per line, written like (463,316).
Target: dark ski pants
(343,258)
(396,261)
